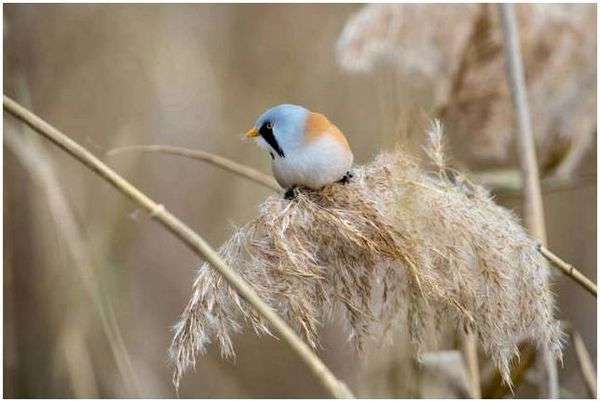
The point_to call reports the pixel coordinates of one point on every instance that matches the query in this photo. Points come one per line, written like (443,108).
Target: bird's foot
(346,178)
(290,193)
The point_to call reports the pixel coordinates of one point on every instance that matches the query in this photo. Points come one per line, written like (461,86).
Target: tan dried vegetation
(457,50)
(399,248)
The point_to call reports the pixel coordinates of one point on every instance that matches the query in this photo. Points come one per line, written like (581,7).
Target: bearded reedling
(306,148)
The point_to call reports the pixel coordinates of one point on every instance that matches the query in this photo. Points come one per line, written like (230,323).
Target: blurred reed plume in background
(397,250)
(458,50)
(196,76)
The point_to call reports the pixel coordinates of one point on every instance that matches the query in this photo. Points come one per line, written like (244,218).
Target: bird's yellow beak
(253,132)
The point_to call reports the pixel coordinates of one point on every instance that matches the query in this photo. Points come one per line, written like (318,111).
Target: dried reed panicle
(559,55)
(396,249)
(457,49)
(389,32)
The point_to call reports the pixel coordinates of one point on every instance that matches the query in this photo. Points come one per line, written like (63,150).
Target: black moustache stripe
(267,134)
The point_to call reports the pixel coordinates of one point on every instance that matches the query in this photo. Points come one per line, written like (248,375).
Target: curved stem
(217,160)
(189,237)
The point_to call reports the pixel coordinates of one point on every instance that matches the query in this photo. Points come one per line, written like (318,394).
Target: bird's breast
(322,161)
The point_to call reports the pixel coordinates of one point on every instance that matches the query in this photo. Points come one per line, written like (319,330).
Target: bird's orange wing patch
(318,125)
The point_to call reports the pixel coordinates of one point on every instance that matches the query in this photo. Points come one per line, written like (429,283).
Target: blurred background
(92,285)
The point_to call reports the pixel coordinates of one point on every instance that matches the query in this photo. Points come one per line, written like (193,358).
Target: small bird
(306,148)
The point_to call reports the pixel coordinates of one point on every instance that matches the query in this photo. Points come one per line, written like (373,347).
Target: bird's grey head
(280,129)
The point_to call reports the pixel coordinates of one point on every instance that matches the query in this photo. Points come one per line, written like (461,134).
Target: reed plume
(457,51)
(396,33)
(400,248)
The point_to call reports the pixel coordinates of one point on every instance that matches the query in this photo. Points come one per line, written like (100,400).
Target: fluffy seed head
(396,249)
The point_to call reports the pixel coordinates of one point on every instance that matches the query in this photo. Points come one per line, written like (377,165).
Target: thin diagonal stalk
(78,362)
(187,236)
(533,208)
(586,367)
(569,270)
(216,160)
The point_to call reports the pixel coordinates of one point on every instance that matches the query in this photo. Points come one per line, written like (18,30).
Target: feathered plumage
(306,148)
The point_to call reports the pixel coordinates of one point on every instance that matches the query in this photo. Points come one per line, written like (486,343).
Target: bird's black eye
(266,132)
(266,128)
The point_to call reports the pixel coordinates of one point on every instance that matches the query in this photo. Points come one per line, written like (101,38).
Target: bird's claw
(290,193)
(346,178)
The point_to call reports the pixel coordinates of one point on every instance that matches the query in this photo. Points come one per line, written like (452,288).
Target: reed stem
(217,160)
(194,241)
(533,207)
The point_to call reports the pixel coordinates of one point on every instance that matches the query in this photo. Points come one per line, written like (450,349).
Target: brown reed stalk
(533,208)
(570,271)
(585,364)
(78,361)
(196,243)
(217,160)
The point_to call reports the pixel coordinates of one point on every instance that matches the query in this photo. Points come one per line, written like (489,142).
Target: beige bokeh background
(194,76)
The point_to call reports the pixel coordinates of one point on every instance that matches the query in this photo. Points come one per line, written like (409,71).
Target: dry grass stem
(238,289)
(586,366)
(570,271)
(396,249)
(78,363)
(533,207)
(217,160)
